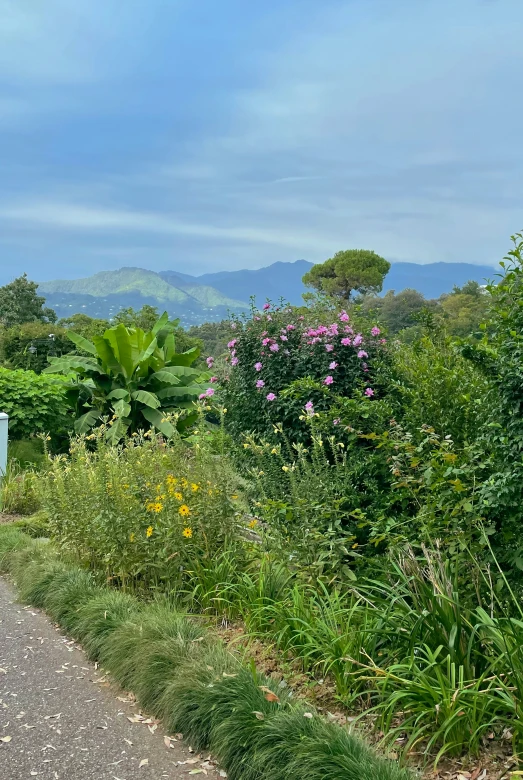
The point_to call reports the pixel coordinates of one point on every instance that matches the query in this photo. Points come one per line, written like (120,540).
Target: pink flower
(321,330)
(329,347)
(233,326)
(232,343)
(346,342)
(213,379)
(333,365)
(266,341)
(333,330)
(348,329)
(336,421)
(258,366)
(383,341)
(209,361)
(234,361)
(274,348)
(233,352)
(369,392)
(344,317)
(270,397)
(375,331)
(362,353)
(328,380)
(284,338)
(210,391)
(291,327)
(266,306)
(358,340)
(260,383)
(301,317)
(257,319)
(201,396)
(309,408)
(269,318)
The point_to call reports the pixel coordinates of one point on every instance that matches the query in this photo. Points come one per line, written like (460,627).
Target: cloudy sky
(214,135)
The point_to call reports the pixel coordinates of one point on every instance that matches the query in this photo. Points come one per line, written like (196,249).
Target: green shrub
(282,346)
(142,511)
(35,404)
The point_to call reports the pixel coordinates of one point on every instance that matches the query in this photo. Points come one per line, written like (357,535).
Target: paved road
(60,719)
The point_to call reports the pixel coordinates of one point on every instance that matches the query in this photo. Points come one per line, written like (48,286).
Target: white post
(4,419)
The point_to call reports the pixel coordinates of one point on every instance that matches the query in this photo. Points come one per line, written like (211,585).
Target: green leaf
(86,421)
(122,408)
(180,391)
(146,354)
(147,398)
(120,392)
(161,323)
(117,430)
(157,419)
(106,355)
(166,374)
(185,358)
(82,342)
(120,340)
(69,364)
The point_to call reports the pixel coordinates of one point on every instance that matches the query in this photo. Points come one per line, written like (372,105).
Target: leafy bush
(280,359)
(142,511)
(137,378)
(35,404)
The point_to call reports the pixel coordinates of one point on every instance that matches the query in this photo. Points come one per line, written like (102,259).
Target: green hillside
(125,280)
(147,284)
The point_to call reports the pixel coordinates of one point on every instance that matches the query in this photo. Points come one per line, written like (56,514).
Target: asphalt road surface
(61,719)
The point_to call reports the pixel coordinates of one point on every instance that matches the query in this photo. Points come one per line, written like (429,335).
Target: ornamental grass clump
(141,511)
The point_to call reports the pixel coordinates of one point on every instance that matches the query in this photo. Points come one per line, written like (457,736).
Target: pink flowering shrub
(278,348)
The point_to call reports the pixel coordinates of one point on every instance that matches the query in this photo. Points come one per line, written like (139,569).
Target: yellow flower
(253,523)
(158,507)
(150,506)
(149,532)
(354,546)
(183,482)
(125,487)
(171,480)
(284,468)
(131,537)
(178,496)
(158,488)
(234,497)
(274,451)
(187,532)
(194,487)
(184,510)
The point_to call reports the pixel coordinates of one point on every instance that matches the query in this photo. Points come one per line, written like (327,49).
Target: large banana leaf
(84,423)
(160,423)
(134,375)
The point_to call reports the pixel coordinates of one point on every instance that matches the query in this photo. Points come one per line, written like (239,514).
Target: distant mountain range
(197,299)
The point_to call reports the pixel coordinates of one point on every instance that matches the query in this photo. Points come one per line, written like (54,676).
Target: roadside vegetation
(346,490)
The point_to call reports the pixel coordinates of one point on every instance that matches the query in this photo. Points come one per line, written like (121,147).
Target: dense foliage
(350,270)
(135,377)
(35,404)
(19,303)
(353,497)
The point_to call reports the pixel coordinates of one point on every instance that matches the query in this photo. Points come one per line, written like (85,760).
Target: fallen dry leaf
(143,762)
(269,695)
(5,739)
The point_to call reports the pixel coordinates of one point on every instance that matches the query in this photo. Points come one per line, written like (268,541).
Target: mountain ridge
(210,296)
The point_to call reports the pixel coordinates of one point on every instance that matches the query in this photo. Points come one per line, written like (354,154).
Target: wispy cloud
(235,134)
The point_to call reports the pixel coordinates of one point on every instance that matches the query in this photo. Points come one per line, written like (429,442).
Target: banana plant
(133,377)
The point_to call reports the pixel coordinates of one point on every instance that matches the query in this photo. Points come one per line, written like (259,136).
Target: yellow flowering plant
(144,510)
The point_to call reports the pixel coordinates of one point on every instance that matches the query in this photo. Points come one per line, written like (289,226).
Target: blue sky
(211,135)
